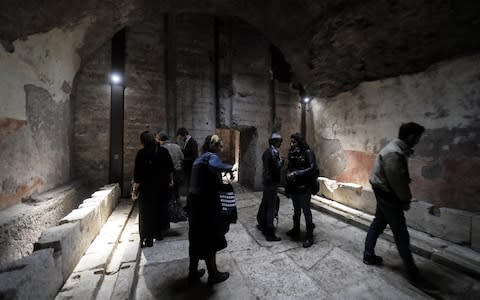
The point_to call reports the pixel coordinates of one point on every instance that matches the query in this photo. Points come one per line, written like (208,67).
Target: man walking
(390,181)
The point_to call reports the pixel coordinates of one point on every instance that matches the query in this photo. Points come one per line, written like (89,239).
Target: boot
(218,277)
(295,231)
(270,235)
(215,276)
(309,237)
(195,275)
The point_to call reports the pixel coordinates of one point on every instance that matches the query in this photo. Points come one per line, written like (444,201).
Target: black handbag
(229,205)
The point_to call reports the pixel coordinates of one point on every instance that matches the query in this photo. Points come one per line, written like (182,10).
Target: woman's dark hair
(211,142)
(146,138)
(298,137)
(407,129)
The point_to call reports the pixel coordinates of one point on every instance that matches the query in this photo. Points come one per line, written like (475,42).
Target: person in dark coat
(152,174)
(190,152)
(301,166)
(272,164)
(207,227)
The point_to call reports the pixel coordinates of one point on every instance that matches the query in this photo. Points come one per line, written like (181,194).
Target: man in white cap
(272,164)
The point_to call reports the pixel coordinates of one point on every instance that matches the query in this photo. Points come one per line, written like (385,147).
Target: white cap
(275,136)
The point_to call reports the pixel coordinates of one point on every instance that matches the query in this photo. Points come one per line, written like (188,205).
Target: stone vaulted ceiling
(332,45)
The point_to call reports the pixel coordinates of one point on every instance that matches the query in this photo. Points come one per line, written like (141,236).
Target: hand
(291,176)
(406,206)
(135,191)
(234,167)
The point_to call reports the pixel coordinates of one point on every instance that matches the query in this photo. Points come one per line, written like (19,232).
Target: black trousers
(390,211)
(301,202)
(268,206)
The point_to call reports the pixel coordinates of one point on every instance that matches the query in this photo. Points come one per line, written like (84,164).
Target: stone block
(22,224)
(32,277)
(446,223)
(81,285)
(68,244)
(89,219)
(460,258)
(350,194)
(109,196)
(327,187)
(476,233)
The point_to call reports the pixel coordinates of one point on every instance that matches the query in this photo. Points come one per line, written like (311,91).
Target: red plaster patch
(9,125)
(358,167)
(22,191)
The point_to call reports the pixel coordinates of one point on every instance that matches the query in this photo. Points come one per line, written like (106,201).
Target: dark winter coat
(302,163)
(207,227)
(153,166)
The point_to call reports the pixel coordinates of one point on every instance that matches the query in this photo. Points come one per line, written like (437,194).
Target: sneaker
(372,260)
(218,277)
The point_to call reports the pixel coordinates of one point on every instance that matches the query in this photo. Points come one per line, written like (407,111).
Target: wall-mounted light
(306,99)
(116,78)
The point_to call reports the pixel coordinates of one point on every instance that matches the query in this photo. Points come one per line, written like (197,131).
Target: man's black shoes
(272,238)
(373,260)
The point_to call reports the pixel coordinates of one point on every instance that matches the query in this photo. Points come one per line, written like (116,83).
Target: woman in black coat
(207,227)
(152,174)
(301,167)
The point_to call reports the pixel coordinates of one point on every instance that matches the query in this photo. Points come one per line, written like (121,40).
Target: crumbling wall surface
(352,127)
(35,112)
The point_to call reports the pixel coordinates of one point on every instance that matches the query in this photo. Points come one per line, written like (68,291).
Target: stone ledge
(453,225)
(66,243)
(460,258)
(25,278)
(98,264)
(22,224)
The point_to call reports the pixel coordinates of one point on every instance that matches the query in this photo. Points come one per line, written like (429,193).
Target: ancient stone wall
(36,78)
(193,71)
(145,106)
(91,127)
(350,128)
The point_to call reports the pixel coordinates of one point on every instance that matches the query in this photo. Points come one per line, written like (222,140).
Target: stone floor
(331,269)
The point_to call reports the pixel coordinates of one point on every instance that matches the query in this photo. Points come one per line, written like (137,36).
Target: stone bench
(22,224)
(58,249)
(453,225)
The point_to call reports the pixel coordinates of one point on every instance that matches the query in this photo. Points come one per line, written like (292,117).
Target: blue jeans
(390,211)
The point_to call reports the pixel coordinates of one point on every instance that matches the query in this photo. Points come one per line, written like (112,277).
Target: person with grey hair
(272,164)
(176,213)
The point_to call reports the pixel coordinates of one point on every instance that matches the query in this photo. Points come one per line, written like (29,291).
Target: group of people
(207,228)
(300,184)
(159,167)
